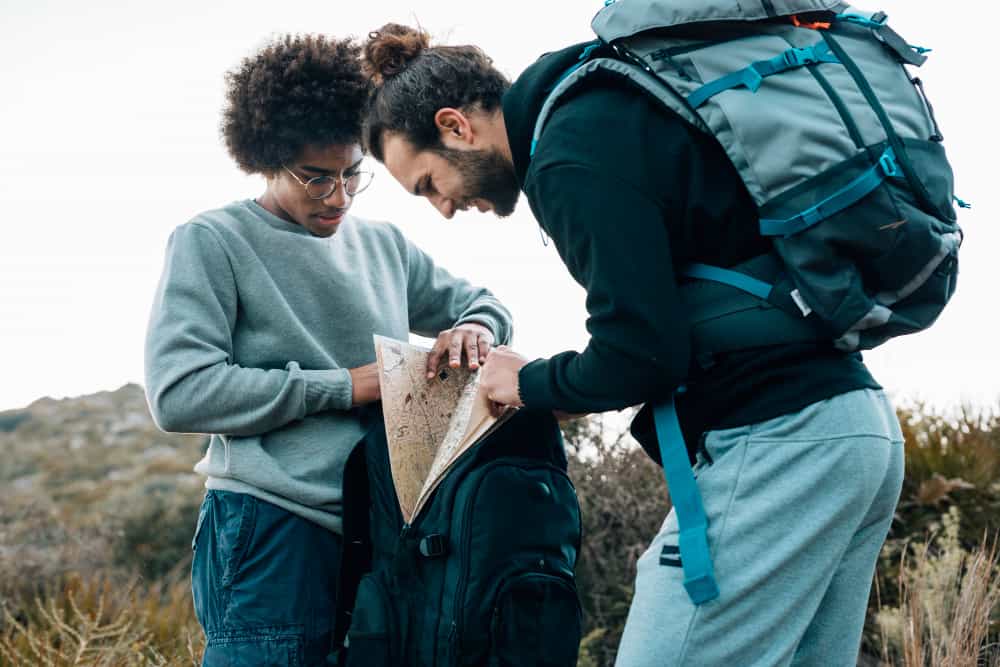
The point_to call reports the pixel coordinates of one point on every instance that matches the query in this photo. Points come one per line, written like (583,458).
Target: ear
(455,128)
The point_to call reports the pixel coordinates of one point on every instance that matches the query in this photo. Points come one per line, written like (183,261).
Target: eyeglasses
(321,187)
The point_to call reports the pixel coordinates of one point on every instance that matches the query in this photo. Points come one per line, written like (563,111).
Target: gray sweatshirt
(254,327)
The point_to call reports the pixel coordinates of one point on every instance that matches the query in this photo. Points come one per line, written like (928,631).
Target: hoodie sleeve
(192,384)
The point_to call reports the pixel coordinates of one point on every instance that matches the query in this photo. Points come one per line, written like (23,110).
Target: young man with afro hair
(261,335)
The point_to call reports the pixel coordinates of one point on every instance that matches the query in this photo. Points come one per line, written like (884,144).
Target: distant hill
(82,477)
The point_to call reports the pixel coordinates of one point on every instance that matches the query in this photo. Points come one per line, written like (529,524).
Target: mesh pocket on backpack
(536,621)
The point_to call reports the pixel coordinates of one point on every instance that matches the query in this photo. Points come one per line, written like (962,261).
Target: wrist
(364,385)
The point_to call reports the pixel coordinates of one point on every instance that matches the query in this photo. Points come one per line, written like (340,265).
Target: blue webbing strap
(696,559)
(861,186)
(584,55)
(753,75)
(869,20)
(699,576)
(728,277)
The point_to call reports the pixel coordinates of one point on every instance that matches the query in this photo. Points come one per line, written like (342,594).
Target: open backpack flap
(839,149)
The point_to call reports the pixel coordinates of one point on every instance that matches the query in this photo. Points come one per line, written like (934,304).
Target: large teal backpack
(838,147)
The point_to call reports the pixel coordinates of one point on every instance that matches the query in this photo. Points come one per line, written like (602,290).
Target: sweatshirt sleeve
(613,240)
(192,383)
(438,301)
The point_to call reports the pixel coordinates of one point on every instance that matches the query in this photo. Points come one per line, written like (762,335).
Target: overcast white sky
(108,140)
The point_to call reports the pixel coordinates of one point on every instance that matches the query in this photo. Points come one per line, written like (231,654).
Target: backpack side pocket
(536,621)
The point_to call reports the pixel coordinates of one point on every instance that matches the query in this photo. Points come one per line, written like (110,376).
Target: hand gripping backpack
(483,575)
(840,151)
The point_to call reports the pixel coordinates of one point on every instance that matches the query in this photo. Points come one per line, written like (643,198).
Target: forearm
(192,381)
(596,380)
(231,400)
(437,300)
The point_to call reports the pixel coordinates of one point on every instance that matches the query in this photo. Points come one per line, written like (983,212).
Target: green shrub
(156,533)
(11,420)
(623,500)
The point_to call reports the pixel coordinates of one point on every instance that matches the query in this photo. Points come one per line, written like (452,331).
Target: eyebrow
(321,170)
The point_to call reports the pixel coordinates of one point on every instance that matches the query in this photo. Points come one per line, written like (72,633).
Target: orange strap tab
(818,25)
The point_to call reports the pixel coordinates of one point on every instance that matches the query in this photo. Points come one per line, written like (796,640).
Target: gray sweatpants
(798,508)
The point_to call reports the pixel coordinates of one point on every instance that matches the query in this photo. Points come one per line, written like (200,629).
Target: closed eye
(423,187)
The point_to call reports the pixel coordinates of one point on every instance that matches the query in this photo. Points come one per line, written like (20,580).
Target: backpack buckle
(800,57)
(433,546)
(888,164)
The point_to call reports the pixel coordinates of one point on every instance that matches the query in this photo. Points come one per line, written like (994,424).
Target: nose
(338,198)
(445,207)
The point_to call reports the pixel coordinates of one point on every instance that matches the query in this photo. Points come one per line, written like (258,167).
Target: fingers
(483,343)
(455,349)
(472,351)
(455,342)
(434,357)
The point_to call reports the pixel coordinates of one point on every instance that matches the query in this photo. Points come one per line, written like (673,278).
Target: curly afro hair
(298,91)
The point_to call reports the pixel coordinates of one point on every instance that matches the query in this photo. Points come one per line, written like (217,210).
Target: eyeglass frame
(340,180)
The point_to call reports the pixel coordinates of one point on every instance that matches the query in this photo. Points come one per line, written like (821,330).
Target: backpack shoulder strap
(631,73)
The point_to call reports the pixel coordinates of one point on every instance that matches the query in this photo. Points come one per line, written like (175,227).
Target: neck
(268,202)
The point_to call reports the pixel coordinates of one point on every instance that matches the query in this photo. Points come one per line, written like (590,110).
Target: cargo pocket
(202,512)
(263,647)
(373,627)
(536,621)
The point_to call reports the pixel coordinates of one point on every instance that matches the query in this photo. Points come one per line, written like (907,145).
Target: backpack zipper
(664,54)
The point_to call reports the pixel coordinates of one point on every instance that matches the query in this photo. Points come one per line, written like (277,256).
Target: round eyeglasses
(321,187)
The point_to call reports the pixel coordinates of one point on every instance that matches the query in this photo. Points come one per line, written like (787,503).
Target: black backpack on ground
(483,575)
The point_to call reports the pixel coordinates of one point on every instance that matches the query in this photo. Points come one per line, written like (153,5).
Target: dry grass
(947,599)
(90,486)
(96,623)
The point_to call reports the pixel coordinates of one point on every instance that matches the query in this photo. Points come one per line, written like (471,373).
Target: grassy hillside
(98,507)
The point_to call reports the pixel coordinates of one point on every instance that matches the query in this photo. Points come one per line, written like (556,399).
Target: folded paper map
(428,423)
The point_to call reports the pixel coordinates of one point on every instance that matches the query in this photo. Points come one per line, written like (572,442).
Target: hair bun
(391,48)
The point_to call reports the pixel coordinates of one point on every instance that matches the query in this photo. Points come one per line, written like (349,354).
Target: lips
(330,218)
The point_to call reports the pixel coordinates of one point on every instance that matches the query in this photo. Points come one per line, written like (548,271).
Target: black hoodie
(627,191)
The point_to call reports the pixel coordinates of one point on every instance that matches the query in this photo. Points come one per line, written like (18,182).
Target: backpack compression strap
(696,559)
(699,575)
(753,75)
(860,187)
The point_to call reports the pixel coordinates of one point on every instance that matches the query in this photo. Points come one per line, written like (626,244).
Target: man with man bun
(797,451)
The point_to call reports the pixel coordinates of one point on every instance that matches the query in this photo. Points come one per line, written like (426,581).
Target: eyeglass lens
(322,187)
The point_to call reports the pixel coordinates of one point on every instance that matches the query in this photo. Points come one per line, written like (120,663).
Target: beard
(486,175)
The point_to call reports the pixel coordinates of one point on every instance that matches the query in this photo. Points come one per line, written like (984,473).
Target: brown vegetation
(98,509)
